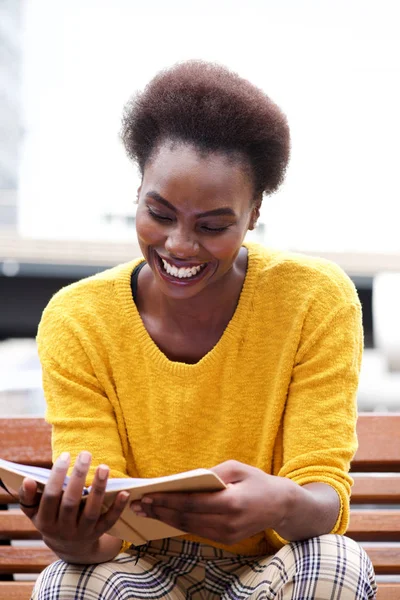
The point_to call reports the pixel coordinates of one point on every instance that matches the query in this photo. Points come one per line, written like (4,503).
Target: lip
(180,263)
(184,282)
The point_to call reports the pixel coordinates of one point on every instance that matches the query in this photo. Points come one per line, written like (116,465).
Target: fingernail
(137,509)
(147,500)
(102,472)
(24,486)
(63,459)
(124,497)
(85,457)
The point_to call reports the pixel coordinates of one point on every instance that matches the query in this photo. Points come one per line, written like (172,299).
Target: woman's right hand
(66,527)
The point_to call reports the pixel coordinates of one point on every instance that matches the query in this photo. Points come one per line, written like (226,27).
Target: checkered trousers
(329,567)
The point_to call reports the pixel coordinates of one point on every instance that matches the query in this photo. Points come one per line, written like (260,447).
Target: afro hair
(212,108)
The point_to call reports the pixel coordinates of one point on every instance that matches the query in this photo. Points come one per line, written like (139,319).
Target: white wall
(333,66)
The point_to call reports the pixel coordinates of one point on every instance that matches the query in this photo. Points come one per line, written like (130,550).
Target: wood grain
(14,525)
(388,591)
(26,440)
(379,443)
(375,525)
(18,590)
(386,559)
(24,560)
(368,489)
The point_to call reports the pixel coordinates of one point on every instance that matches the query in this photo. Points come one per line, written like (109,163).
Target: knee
(64,581)
(328,566)
(45,581)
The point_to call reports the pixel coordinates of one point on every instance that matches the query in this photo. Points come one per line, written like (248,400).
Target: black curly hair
(214,109)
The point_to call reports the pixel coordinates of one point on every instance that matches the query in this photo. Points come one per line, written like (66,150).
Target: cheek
(225,247)
(147,230)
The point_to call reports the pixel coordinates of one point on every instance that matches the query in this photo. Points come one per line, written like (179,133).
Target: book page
(118,484)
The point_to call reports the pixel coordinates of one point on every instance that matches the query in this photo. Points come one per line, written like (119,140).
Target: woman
(209,352)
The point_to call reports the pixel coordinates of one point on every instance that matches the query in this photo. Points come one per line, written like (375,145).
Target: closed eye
(214,229)
(157,216)
(204,228)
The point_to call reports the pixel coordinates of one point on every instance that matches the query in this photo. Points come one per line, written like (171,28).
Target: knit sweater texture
(277,391)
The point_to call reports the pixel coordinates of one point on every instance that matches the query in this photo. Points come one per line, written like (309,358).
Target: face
(193,213)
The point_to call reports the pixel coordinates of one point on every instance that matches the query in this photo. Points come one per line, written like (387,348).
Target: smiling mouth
(180,272)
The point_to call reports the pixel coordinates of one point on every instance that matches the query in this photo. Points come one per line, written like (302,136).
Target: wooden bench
(377,528)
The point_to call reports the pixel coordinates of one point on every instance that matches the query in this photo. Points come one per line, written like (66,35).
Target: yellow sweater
(278,391)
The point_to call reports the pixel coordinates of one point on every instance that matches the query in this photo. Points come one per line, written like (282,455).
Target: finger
(51,498)
(92,510)
(29,497)
(204,502)
(71,499)
(109,518)
(210,526)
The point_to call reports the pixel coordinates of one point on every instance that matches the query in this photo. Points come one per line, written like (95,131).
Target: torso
(188,346)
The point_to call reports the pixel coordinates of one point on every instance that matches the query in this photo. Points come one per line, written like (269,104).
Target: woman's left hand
(252,502)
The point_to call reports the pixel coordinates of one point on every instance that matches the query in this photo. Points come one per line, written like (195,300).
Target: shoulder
(96,287)
(301,276)
(88,300)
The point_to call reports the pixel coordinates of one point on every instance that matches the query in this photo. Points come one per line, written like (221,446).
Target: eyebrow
(209,213)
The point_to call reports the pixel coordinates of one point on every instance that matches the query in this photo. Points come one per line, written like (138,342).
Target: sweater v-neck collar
(138,332)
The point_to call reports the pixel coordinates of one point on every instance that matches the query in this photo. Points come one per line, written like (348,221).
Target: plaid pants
(329,567)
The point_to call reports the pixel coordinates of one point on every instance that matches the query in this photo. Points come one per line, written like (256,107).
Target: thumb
(29,497)
(230,471)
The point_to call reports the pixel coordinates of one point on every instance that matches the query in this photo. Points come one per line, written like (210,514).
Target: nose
(182,243)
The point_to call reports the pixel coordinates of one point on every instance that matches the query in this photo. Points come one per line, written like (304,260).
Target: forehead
(181,172)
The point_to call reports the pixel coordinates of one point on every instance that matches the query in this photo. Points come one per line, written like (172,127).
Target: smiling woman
(206,352)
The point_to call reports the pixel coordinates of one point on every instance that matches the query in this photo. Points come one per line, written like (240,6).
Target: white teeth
(182,272)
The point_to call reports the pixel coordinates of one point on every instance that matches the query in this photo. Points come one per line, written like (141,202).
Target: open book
(129,526)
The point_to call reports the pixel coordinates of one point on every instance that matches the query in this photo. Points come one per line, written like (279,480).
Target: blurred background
(67,190)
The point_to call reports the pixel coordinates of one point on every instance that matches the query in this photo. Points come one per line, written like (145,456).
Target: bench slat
(6,499)
(379,443)
(388,591)
(386,559)
(26,440)
(376,490)
(24,560)
(17,590)
(376,525)
(370,525)
(14,525)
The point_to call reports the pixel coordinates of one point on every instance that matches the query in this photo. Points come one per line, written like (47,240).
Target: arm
(81,414)
(79,406)
(318,435)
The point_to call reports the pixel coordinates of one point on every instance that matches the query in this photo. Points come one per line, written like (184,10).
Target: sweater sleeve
(319,427)
(78,408)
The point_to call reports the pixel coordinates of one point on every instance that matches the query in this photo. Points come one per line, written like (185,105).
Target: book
(129,527)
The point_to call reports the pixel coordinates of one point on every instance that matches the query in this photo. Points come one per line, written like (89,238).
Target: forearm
(308,511)
(104,549)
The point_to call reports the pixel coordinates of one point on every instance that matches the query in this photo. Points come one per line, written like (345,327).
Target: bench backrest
(376,471)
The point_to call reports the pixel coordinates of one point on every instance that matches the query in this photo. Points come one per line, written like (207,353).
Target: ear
(255,213)
(138,194)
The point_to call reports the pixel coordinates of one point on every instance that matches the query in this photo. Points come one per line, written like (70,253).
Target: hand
(252,502)
(66,526)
